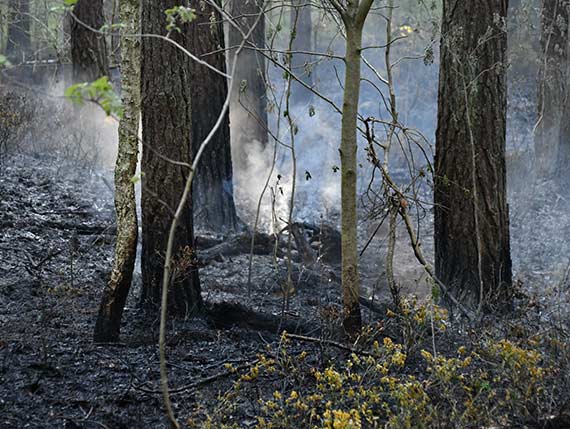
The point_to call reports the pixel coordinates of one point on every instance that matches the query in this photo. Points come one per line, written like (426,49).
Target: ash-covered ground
(56,243)
(56,246)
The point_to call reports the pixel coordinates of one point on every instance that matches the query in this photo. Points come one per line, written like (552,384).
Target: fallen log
(79,228)
(206,241)
(239,245)
(224,315)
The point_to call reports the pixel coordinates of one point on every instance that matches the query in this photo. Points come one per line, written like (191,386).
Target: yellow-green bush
(491,382)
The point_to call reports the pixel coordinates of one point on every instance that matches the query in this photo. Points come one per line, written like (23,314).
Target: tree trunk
(18,45)
(88,48)
(354,21)
(113,17)
(472,249)
(552,147)
(166,119)
(115,294)
(302,28)
(248,112)
(213,183)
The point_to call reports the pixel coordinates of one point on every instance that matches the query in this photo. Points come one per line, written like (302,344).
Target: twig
(172,233)
(201,382)
(289,287)
(420,257)
(392,285)
(331,343)
(412,234)
(394,203)
(51,254)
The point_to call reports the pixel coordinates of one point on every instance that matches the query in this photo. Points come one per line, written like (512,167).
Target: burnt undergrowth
(233,367)
(56,243)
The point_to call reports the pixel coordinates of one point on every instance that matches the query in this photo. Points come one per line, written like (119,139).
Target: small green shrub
(489,382)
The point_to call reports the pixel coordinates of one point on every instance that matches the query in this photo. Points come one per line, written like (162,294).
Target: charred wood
(225,315)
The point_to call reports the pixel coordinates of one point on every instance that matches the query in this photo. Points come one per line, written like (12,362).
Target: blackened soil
(56,240)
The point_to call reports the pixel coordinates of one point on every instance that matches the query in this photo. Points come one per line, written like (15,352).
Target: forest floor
(56,244)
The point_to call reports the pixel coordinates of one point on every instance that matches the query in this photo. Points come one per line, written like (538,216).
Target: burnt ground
(56,242)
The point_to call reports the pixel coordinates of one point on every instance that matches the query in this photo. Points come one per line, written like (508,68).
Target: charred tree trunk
(248,112)
(552,144)
(167,120)
(88,48)
(115,294)
(302,31)
(18,45)
(472,249)
(213,184)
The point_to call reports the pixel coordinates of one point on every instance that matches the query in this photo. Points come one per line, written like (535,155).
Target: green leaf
(435,292)
(111,27)
(178,14)
(100,92)
(75,93)
(4,61)
(137,178)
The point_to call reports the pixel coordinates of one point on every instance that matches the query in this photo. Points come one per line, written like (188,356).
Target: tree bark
(302,43)
(248,110)
(353,18)
(472,248)
(18,45)
(167,120)
(112,13)
(108,323)
(88,48)
(552,144)
(213,183)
